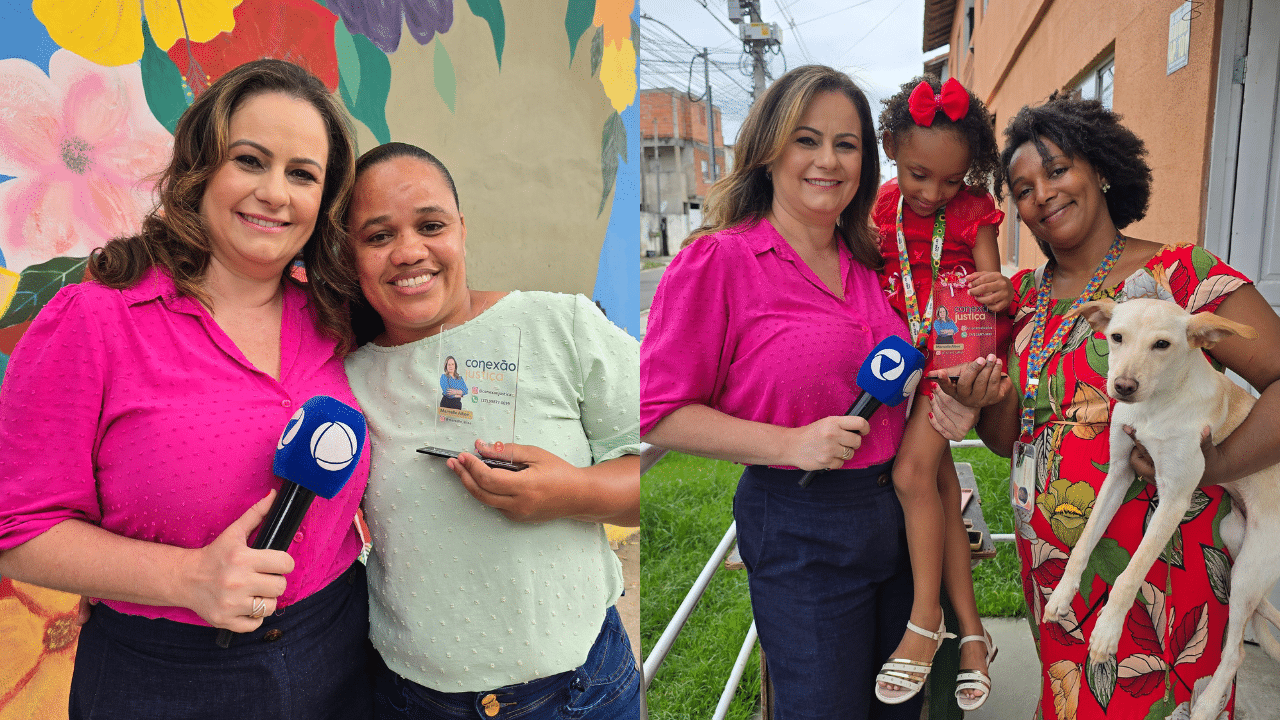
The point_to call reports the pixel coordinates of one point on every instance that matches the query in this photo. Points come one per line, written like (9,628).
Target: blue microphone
(888,376)
(316,455)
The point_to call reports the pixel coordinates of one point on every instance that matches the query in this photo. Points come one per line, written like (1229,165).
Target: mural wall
(530,105)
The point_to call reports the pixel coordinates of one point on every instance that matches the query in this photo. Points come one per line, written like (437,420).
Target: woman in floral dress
(1078,177)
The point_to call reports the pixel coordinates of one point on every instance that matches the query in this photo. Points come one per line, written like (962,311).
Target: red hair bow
(924,105)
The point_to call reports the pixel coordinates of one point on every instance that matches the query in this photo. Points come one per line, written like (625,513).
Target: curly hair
(746,192)
(174,234)
(977,127)
(1085,129)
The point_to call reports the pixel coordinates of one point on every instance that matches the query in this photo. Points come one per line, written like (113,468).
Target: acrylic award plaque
(963,328)
(479,372)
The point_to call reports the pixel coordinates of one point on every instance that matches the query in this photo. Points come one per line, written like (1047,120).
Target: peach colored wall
(1023,50)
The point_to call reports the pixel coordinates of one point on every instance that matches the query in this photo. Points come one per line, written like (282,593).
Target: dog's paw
(1104,641)
(1059,602)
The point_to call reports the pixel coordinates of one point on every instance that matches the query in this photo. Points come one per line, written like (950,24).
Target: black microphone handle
(864,407)
(278,528)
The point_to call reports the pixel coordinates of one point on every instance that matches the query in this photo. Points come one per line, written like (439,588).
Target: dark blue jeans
(830,584)
(606,686)
(307,662)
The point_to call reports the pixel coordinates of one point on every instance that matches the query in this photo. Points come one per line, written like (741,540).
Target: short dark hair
(976,128)
(1085,129)
(392,150)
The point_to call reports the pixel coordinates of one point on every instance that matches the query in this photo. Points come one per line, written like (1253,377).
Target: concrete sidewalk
(1016,677)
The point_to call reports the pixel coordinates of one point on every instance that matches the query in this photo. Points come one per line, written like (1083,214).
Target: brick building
(676,169)
(1197,81)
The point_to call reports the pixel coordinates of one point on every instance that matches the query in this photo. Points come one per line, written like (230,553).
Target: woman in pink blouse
(754,340)
(140,414)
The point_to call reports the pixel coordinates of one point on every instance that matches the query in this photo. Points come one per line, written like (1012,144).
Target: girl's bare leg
(957,575)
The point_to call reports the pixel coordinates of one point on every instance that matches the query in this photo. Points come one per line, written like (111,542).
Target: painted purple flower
(380,20)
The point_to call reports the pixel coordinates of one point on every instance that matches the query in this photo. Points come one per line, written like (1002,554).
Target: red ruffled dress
(964,215)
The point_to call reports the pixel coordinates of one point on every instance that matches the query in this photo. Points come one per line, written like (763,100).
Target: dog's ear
(1204,330)
(1095,312)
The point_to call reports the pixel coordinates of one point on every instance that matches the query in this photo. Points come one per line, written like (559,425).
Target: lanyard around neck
(1039,350)
(920,326)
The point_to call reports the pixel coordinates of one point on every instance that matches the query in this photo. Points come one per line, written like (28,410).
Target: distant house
(676,167)
(1197,81)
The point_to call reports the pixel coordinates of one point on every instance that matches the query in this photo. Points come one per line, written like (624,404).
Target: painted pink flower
(80,144)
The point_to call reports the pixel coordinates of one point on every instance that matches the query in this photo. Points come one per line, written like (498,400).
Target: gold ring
(848,453)
(259,608)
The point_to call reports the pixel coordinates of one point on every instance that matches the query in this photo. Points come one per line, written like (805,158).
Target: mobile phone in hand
(491,462)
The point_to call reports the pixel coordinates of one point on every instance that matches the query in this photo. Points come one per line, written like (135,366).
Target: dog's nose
(1126,387)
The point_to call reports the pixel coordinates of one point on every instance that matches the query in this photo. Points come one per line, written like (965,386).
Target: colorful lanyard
(919,327)
(1042,351)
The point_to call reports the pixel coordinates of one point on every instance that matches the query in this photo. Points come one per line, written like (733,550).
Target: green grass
(686,505)
(650,264)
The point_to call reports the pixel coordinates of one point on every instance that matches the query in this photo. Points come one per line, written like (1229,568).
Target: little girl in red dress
(938,219)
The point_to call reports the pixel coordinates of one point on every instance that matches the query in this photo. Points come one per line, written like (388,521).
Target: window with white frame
(1099,83)
(705,176)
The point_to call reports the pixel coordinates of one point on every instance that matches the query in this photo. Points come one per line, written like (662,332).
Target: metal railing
(649,456)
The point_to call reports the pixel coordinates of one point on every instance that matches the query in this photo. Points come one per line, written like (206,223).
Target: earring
(1105,186)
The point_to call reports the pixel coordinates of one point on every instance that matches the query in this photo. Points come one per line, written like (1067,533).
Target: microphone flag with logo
(888,376)
(316,455)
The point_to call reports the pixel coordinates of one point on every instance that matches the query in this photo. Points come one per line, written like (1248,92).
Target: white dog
(1167,391)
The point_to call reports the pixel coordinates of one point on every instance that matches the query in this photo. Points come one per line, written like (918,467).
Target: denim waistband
(287,622)
(830,483)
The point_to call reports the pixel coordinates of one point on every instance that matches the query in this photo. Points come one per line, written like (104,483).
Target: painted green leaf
(491,12)
(38,284)
(597,50)
(168,95)
(1102,679)
(344,47)
(1202,261)
(365,83)
(1224,509)
(446,80)
(612,144)
(1199,501)
(577,18)
(1135,489)
(1107,561)
(1218,568)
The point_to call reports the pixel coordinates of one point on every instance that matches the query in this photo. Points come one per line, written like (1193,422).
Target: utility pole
(657,178)
(757,35)
(711,117)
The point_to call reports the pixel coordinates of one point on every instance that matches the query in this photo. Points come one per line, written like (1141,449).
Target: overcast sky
(877,42)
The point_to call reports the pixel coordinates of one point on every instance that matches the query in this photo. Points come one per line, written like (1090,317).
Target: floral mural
(91,90)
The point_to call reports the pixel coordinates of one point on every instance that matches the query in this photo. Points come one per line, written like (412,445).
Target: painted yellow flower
(1067,506)
(618,61)
(109,32)
(38,631)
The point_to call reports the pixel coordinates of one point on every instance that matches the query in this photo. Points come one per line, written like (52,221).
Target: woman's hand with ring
(827,443)
(220,581)
(978,384)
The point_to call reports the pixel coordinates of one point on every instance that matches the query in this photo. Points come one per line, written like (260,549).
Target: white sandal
(907,674)
(976,679)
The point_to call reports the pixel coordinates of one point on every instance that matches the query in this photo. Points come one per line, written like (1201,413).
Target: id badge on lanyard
(1022,476)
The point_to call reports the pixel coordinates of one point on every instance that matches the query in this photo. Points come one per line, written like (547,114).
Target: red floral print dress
(1172,634)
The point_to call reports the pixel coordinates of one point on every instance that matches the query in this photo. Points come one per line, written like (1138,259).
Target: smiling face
(932,163)
(451,367)
(1060,199)
(410,245)
(260,205)
(818,171)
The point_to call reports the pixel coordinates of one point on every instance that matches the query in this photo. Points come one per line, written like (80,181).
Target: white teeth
(825,183)
(263,223)
(413,281)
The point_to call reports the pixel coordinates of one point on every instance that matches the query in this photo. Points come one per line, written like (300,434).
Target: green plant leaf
(364,80)
(38,284)
(168,94)
(597,50)
(446,80)
(613,143)
(491,12)
(577,18)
